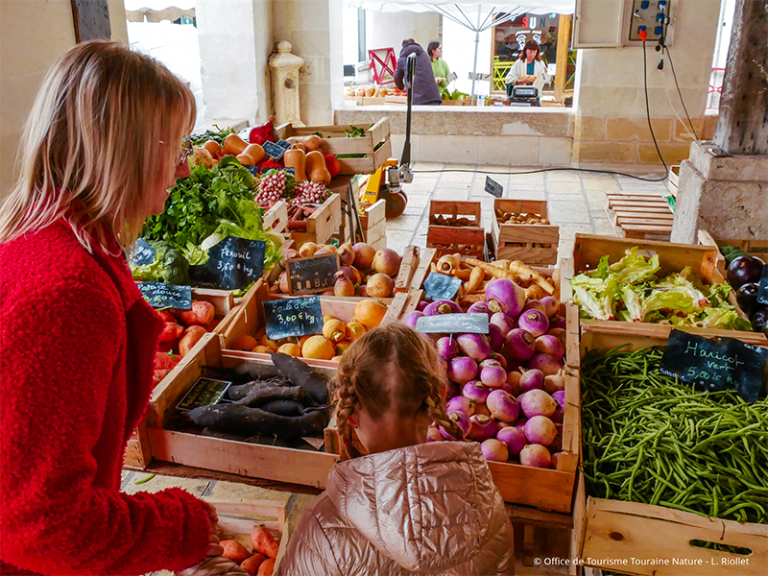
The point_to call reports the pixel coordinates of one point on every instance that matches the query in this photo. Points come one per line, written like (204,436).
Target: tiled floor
(576,200)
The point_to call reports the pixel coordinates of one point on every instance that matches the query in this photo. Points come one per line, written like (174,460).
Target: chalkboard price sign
(284,144)
(233,264)
(453,324)
(493,188)
(205,392)
(441,286)
(162,295)
(274,150)
(293,317)
(312,274)
(762,292)
(715,363)
(143,253)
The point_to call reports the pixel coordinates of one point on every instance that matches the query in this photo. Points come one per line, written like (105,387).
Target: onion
(551,306)
(461,420)
(557,322)
(548,344)
(532,380)
(545,363)
(554,383)
(520,345)
(540,430)
(513,438)
(503,406)
(535,455)
(535,305)
(493,376)
(433,435)
(442,307)
(460,404)
(494,450)
(503,295)
(537,403)
(534,321)
(482,428)
(461,370)
(447,348)
(412,318)
(475,346)
(504,322)
(495,337)
(479,308)
(475,391)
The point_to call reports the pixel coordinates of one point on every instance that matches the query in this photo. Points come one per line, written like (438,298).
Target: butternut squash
(213,147)
(254,151)
(311,142)
(246,159)
(298,147)
(295,159)
(233,144)
(316,169)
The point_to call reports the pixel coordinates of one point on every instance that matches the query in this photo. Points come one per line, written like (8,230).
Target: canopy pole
(477,44)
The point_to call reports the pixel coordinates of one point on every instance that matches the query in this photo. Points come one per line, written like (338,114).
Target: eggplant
(744,270)
(302,375)
(263,395)
(760,321)
(241,419)
(747,297)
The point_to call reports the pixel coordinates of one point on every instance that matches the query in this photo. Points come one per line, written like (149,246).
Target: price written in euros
(301,316)
(229,266)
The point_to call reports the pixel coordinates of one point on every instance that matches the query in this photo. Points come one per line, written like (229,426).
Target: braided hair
(390,368)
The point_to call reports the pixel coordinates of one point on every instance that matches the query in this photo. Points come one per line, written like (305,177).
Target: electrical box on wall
(616,23)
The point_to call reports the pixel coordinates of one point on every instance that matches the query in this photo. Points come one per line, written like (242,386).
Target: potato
(234,551)
(200,314)
(192,336)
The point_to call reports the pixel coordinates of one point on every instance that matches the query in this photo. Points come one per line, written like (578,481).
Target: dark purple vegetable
(241,391)
(302,375)
(260,396)
(243,420)
(495,337)
(557,322)
(421,305)
(503,295)
(520,345)
(534,321)
(479,308)
(250,371)
(744,270)
(283,407)
(747,297)
(760,321)
(442,307)
(482,427)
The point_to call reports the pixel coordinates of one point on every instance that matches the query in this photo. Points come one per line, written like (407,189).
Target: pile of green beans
(651,439)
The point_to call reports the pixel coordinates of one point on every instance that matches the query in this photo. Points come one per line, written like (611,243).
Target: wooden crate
(322,224)
(276,217)
(374,223)
(673,179)
(539,535)
(137,454)
(517,241)
(753,247)
(640,214)
(295,466)
(375,146)
(449,239)
(588,250)
(607,530)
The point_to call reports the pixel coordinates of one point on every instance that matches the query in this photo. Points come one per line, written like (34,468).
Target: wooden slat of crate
(632,204)
(408,266)
(447,239)
(650,221)
(525,234)
(322,224)
(660,212)
(276,217)
(426,257)
(640,231)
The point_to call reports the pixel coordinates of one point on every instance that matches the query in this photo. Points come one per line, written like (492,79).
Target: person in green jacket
(439,67)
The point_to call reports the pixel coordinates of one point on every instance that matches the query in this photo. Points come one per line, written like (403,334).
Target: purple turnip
(558,333)
(479,308)
(482,410)
(493,376)
(535,455)
(498,358)
(513,438)
(503,406)
(553,383)
(475,346)
(461,370)
(537,403)
(551,306)
(557,322)
(557,443)
(545,363)
(559,413)
(503,295)
(495,337)
(453,389)
(461,420)
(482,427)
(540,430)
(494,450)
(534,321)
(503,322)
(460,404)
(442,307)
(421,305)
(447,348)
(412,318)
(489,362)
(476,391)
(532,380)
(520,345)
(520,423)
(535,305)
(548,344)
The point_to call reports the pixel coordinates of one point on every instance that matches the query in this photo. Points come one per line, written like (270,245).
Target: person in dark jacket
(425,90)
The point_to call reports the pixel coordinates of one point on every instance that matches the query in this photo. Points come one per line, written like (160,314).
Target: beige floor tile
(568,212)
(603,226)
(564,187)
(568,232)
(417,198)
(158,483)
(563,176)
(596,199)
(524,194)
(526,181)
(600,182)
(403,223)
(450,194)
(397,240)
(427,165)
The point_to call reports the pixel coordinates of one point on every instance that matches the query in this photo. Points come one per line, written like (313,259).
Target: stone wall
(611,125)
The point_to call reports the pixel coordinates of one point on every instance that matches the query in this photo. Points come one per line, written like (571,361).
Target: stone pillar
(285,85)
(725,195)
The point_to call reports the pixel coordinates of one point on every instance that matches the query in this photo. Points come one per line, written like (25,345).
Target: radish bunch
(271,188)
(311,193)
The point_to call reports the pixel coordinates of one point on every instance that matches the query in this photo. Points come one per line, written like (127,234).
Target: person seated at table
(425,91)
(529,69)
(439,67)
(409,506)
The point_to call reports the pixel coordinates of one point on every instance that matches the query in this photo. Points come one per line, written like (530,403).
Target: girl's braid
(440,416)
(347,399)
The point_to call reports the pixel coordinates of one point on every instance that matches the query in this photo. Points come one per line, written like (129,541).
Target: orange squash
(233,144)
(316,168)
(213,147)
(254,151)
(295,159)
(311,142)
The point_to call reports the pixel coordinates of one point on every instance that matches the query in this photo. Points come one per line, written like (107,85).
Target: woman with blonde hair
(102,145)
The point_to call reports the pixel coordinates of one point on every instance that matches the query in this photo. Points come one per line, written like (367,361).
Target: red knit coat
(77,343)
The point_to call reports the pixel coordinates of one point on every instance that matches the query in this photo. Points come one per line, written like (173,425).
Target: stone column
(285,85)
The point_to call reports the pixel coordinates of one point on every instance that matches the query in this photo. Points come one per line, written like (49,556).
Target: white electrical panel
(616,23)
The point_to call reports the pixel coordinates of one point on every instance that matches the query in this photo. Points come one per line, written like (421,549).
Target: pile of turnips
(507,388)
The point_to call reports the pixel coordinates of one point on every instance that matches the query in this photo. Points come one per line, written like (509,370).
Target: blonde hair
(103,133)
(390,368)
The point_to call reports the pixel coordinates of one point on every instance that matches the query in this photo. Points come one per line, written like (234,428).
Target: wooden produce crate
(137,454)
(276,217)
(588,250)
(396,99)
(374,223)
(611,530)
(290,465)
(640,214)
(752,247)
(462,102)
(468,240)
(519,241)
(539,535)
(322,224)
(374,148)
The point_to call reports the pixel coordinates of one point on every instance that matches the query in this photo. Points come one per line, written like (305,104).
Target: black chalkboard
(254,170)
(312,274)
(162,295)
(284,144)
(493,188)
(206,391)
(453,324)
(143,253)
(762,292)
(715,363)
(293,317)
(441,286)
(274,150)
(233,264)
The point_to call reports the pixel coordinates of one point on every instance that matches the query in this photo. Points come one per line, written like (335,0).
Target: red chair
(383,62)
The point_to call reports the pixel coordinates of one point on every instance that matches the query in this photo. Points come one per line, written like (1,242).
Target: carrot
(476,277)
(263,541)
